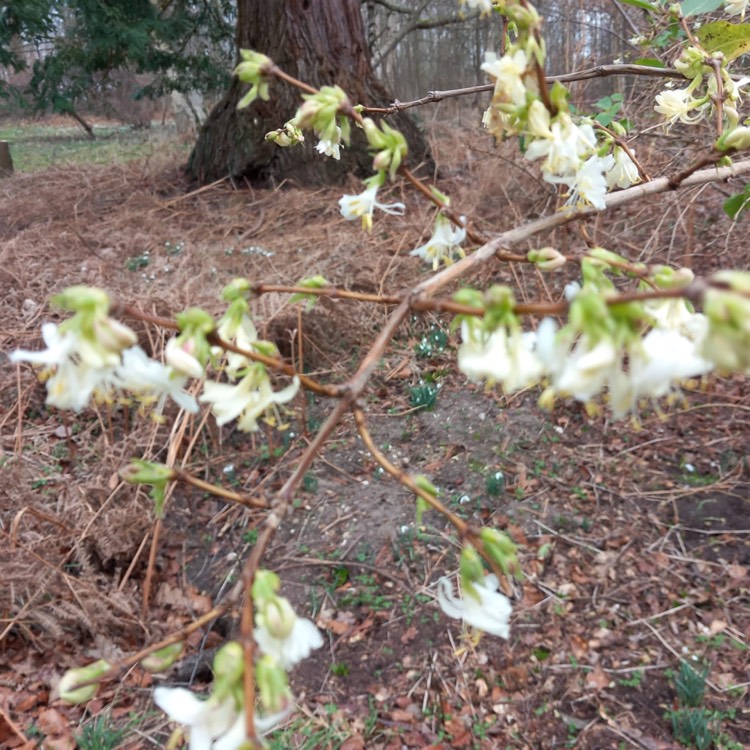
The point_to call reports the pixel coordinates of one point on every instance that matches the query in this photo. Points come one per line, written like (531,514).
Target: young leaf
(737,204)
(693,7)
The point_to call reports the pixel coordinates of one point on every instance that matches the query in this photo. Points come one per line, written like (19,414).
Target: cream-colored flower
(678,104)
(482,606)
(444,243)
(508,73)
(736,8)
(624,172)
(363,206)
(247,401)
(283,635)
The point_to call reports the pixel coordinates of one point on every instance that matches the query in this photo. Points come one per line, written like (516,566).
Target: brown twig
(233,497)
(624,146)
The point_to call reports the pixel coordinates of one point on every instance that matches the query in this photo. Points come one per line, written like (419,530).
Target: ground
(633,536)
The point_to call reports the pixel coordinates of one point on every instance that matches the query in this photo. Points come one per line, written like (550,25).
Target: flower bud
(179,357)
(470,566)
(278,617)
(162,659)
(547,258)
(738,139)
(229,662)
(67,686)
(273,684)
(501,550)
(113,335)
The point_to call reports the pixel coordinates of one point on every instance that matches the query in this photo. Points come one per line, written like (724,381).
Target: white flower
(80,368)
(249,399)
(483,606)
(330,146)
(662,358)
(504,357)
(588,185)
(485,6)
(243,334)
(564,148)
(445,239)
(587,369)
(143,376)
(508,72)
(363,205)
(623,173)
(678,104)
(736,8)
(296,646)
(213,724)
(207,720)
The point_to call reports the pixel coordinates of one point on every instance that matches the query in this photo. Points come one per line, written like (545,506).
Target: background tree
(79,46)
(320,42)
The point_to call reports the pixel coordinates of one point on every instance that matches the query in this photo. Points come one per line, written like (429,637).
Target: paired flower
(503,356)
(482,606)
(248,400)
(445,241)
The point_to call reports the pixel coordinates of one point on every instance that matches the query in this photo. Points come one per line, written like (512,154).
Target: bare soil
(634,538)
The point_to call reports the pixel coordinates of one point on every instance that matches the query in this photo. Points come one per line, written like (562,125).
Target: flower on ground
(623,173)
(482,606)
(363,206)
(147,378)
(283,635)
(505,357)
(248,400)
(80,367)
(445,240)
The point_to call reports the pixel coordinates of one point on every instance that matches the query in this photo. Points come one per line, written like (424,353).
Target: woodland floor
(634,539)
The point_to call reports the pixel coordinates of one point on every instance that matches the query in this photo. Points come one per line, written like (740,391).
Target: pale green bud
(547,258)
(73,677)
(273,684)
(278,617)
(265,586)
(162,659)
(737,139)
(112,335)
(82,299)
(237,288)
(501,550)
(156,475)
(229,662)
(470,566)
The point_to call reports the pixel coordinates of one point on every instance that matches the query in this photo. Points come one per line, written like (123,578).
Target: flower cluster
(91,355)
(570,152)
(638,350)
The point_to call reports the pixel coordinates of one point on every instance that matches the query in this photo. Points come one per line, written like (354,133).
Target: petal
(180,705)
(450,605)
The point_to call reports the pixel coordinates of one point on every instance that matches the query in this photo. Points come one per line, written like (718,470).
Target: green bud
(73,677)
(278,617)
(470,566)
(273,684)
(737,139)
(425,484)
(546,258)
(146,472)
(501,550)
(162,659)
(265,586)
(82,299)
(229,663)
(236,289)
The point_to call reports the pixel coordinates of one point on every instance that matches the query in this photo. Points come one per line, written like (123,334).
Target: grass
(35,147)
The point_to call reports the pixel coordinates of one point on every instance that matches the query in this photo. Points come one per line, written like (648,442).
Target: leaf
(640,4)
(652,62)
(731,39)
(737,204)
(694,7)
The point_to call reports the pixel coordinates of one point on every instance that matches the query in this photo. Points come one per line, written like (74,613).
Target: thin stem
(234,497)
(624,146)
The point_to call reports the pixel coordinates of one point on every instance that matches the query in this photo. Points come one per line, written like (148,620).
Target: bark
(321,42)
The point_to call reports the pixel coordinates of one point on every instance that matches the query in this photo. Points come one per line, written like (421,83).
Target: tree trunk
(321,42)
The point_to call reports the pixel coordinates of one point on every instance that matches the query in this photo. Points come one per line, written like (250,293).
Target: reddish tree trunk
(321,42)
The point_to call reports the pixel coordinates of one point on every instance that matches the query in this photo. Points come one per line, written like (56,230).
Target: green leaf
(737,204)
(694,7)
(652,62)
(641,4)
(731,39)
